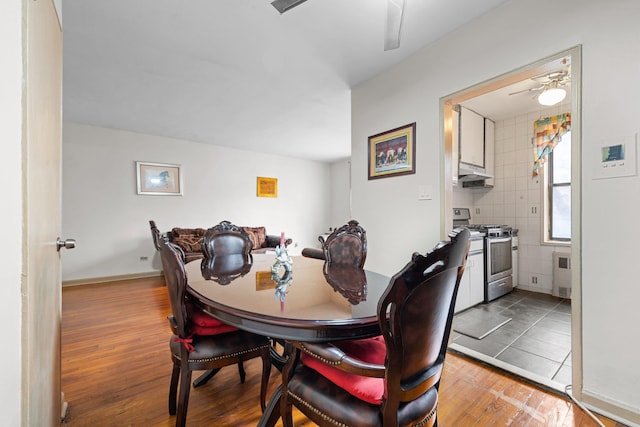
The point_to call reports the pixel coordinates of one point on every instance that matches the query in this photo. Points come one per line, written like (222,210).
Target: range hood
(468,173)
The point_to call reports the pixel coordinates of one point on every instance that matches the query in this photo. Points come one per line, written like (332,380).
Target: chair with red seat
(392,379)
(200,342)
(346,246)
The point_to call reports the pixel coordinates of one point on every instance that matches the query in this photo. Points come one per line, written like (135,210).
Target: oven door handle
(498,239)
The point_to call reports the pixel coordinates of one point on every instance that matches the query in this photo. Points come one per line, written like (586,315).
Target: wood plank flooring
(116,368)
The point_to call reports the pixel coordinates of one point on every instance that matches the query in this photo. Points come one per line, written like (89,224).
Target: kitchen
(529,329)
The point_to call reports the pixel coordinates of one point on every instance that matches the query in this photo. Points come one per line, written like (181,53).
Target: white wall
(11,176)
(110,222)
(516,34)
(340,194)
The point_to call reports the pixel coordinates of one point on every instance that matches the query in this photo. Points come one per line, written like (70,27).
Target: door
(41,314)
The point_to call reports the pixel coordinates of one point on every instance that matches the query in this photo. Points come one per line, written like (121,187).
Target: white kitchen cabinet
(471,289)
(476,279)
(471,138)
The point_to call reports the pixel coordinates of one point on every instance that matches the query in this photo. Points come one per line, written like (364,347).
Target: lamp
(552,95)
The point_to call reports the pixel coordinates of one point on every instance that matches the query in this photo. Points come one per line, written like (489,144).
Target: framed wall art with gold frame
(392,153)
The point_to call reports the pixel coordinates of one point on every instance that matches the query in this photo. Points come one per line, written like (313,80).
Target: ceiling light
(552,95)
(284,5)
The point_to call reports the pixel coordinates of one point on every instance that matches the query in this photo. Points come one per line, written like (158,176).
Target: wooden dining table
(312,303)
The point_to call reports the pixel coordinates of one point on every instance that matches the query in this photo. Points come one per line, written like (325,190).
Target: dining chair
(346,245)
(155,235)
(200,342)
(392,379)
(226,238)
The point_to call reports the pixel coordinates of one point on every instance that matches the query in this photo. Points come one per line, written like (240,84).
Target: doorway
(522,207)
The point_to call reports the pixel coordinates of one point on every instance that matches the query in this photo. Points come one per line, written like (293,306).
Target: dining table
(307,301)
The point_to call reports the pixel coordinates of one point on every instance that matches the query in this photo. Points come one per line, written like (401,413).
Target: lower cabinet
(471,290)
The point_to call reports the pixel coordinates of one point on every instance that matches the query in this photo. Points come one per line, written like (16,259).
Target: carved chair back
(175,276)
(226,239)
(156,235)
(415,315)
(346,246)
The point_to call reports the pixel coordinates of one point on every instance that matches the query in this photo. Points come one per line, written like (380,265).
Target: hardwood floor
(116,368)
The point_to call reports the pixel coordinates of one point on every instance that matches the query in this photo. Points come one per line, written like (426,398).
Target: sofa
(190,240)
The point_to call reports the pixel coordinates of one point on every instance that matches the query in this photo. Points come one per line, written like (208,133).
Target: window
(558,200)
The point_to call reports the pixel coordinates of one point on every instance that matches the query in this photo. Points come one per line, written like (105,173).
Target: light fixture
(284,5)
(552,95)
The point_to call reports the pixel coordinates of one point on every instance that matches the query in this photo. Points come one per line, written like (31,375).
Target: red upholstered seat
(203,324)
(370,350)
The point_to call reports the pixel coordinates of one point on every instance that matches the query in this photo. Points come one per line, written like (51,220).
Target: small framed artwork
(392,153)
(159,179)
(267,187)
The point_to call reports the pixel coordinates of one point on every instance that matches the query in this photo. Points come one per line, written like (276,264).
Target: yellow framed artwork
(267,187)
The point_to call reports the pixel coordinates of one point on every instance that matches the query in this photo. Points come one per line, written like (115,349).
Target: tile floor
(537,341)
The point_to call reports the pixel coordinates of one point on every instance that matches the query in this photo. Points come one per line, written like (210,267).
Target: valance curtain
(548,132)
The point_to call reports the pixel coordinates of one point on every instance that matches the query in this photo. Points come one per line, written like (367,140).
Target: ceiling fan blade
(395,9)
(533,89)
(283,5)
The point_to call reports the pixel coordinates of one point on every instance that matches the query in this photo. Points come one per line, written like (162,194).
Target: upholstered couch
(190,240)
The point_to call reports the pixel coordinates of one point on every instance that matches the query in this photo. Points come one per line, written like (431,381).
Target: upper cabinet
(471,138)
(474,138)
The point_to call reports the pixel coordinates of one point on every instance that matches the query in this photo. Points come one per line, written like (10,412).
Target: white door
(42,219)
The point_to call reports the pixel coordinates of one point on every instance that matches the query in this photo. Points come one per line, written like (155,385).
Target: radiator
(562,274)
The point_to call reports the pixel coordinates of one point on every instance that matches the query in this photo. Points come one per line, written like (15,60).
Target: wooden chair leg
(204,378)
(173,387)
(266,373)
(183,399)
(243,374)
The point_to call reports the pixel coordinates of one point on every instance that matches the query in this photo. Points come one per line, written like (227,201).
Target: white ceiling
(236,72)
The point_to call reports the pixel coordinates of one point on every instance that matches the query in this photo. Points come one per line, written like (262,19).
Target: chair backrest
(155,235)
(175,276)
(415,315)
(346,246)
(226,239)
(223,269)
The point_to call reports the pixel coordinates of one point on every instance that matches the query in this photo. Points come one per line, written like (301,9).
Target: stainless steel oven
(498,266)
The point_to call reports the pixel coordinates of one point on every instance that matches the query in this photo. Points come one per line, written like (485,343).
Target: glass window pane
(562,160)
(561,215)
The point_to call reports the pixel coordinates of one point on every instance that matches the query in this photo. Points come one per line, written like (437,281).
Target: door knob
(67,244)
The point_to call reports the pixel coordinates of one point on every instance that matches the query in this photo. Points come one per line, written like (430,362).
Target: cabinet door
(471,138)
(462,300)
(476,279)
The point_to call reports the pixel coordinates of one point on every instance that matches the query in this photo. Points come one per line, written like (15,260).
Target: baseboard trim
(105,279)
(614,410)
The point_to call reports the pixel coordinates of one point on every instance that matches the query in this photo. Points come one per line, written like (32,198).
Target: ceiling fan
(550,89)
(395,9)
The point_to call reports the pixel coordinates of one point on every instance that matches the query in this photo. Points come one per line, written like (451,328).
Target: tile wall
(515,200)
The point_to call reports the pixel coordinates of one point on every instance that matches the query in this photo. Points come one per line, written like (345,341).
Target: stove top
(462,217)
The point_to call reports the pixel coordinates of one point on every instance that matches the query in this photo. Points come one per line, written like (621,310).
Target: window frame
(548,201)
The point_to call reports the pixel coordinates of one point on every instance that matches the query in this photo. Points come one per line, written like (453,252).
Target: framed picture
(267,187)
(392,153)
(159,179)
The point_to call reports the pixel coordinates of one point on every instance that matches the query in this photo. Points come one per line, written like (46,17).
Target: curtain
(548,132)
